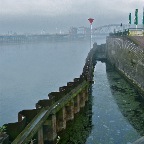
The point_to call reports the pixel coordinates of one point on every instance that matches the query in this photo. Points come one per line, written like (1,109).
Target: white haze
(23,16)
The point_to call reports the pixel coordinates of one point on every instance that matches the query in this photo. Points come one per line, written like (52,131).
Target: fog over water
(51,16)
(28,72)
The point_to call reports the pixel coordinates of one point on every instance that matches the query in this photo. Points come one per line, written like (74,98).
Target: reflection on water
(117,115)
(116,110)
(30,71)
(128,100)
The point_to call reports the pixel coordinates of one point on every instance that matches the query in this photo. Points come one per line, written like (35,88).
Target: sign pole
(91,21)
(143,21)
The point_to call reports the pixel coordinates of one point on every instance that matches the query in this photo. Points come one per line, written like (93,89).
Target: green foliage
(2,129)
(78,130)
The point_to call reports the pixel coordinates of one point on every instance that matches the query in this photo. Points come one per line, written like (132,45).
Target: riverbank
(114,113)
(127,57)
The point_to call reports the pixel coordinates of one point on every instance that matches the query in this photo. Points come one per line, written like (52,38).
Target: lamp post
(91,21)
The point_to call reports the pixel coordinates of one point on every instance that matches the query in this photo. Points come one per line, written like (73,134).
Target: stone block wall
(127,57)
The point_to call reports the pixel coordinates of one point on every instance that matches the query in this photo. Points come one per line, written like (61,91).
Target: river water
(113,115)
(117,109)
(28,72)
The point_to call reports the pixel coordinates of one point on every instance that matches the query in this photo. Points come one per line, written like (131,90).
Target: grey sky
(52,15)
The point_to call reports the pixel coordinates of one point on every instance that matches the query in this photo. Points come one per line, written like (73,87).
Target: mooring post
(20,117)
(49,128)
(82,100)
(77,104)
(86,93)
(70,110)
(61,119)
(40,136)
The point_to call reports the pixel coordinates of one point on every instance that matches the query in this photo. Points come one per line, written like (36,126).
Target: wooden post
(85,93)
(61,119)
(40,136)
(82,100)
(49,126)
(70,110)
(77,104)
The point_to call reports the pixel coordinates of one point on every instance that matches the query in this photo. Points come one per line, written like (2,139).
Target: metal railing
(32,128)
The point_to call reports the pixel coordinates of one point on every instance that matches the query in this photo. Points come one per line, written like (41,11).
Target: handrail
(39,119)
(139,141)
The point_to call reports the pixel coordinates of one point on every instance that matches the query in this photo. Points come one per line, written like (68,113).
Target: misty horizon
(52,16)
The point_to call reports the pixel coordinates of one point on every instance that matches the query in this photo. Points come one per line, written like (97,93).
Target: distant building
(80,32)
(73,31)
(136,32)
(84,30)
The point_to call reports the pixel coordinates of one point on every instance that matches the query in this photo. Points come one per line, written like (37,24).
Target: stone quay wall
(127,55)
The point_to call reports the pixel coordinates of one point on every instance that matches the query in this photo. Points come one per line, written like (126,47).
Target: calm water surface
(28,72)
(114,113)
(114,104)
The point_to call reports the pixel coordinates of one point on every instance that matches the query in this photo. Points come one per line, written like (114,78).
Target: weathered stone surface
(127,57)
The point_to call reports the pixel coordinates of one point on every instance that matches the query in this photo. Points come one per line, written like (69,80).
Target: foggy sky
(54,15)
